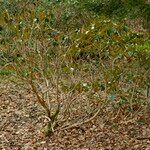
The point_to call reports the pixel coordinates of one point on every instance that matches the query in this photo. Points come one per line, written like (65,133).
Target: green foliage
(118,8)
(104,39)
(6,72)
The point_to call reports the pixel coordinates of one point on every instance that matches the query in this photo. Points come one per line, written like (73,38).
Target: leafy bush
(62,52)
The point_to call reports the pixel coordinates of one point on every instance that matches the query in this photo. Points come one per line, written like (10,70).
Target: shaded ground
(21,120)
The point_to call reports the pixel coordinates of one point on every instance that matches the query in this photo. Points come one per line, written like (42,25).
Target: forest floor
(21,120)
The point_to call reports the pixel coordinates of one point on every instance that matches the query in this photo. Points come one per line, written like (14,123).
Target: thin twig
(83,122)
(143,138)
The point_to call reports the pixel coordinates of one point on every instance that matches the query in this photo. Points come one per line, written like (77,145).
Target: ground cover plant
(78,67)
